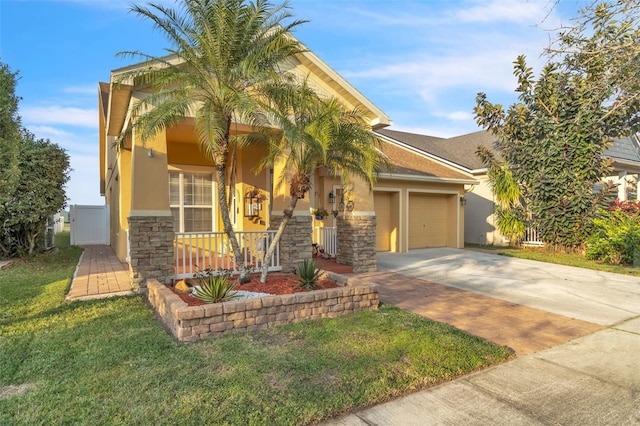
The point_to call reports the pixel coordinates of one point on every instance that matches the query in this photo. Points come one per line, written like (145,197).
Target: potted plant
(320,213)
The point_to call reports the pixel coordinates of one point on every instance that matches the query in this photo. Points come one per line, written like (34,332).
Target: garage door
(428,220)
(382,205)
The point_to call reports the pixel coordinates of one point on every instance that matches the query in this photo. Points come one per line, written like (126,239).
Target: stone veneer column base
(295,244)
(151,250)
(357,242)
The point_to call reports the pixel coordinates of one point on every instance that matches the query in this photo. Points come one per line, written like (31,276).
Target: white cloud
(60,115)
(89,89)
(455,115)
(504,11)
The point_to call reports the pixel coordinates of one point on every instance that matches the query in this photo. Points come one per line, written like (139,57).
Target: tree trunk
(287,213)
(220,164)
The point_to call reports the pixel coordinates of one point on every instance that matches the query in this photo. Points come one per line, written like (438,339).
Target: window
(191,200)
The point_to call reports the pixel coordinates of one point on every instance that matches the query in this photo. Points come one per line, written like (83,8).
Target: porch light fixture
(463,201)
(150,153)
(253,203)
(332,198)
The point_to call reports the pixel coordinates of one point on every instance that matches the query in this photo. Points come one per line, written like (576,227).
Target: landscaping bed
(198,321)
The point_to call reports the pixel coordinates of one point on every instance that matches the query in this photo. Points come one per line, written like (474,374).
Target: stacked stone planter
(189,323)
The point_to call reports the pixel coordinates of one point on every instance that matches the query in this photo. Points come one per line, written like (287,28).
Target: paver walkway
(99,274)
(525,330)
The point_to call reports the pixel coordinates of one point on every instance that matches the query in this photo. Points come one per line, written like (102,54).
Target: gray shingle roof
(625,149)
(461,150)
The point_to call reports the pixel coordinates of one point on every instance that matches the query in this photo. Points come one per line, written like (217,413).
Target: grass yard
(544,255)
(110,362)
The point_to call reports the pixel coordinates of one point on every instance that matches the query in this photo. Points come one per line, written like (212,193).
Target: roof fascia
(393,176)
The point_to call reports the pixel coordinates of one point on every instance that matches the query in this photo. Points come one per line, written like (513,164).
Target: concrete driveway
(598,297)
(591,380)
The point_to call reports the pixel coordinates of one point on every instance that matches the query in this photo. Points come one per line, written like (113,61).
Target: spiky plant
(308,274)
(215,288)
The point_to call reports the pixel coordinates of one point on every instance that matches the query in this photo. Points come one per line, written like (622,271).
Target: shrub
(214,288)
(616,238)
(308,274)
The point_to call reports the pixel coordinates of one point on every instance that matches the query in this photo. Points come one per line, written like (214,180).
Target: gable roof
(409,164)
(459,151)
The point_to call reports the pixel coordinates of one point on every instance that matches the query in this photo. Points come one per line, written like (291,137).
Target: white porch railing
(327,238)
(531,237)
(201,250)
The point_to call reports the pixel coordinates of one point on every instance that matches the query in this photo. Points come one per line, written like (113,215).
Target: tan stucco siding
(480,227)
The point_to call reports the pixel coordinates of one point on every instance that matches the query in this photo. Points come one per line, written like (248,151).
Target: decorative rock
(182,286)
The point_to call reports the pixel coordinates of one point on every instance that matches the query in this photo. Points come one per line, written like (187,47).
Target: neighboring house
(164,218)
(460,153)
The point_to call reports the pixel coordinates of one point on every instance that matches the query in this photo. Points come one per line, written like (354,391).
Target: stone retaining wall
(188,323)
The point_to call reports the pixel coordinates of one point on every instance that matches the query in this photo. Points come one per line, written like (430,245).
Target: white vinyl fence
(89,225)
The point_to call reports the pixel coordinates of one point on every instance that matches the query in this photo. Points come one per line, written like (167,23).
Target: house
(164,217)
(459,152)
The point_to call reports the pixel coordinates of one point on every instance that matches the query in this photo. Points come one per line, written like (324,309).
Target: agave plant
(214,288)
(308,274)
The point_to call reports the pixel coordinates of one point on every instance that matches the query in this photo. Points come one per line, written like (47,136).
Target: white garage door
(428,220)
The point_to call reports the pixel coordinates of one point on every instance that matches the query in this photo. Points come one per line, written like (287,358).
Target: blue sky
(422,62)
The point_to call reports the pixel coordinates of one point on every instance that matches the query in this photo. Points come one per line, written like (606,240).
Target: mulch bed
(276,284)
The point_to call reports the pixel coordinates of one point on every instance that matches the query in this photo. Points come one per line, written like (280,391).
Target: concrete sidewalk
(594,380)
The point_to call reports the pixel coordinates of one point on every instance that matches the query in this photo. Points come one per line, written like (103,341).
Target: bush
(616,238)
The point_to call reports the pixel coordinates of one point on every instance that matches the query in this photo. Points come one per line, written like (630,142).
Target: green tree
(317,132)
(9,132)
(605,42)
(226,49)
(554,140)
(38,192)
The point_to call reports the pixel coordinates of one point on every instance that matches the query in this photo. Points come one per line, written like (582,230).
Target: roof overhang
(435,179)
(119,99)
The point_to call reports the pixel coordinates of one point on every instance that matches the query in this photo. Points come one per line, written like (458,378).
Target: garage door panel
(428,220)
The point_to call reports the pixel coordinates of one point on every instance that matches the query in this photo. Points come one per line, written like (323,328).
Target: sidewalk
(99,274)
(594,380)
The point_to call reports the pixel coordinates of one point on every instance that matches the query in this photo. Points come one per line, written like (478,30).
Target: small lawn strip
(110,362)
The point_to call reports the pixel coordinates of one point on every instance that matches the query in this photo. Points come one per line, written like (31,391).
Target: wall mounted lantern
(332,198)
(253,203)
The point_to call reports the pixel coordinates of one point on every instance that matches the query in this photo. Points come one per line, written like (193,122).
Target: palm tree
(225,50)
(315,132)
(510,213)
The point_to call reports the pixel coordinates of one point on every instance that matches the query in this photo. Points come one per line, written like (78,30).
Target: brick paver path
(99,274)
(523,329)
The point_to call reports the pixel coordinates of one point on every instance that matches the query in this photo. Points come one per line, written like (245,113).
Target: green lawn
(542,254)
(110,362)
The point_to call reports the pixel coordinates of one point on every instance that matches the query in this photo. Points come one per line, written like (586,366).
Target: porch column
(150,222)
(357,241)
(295,244)
(622,186)
(356,228)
